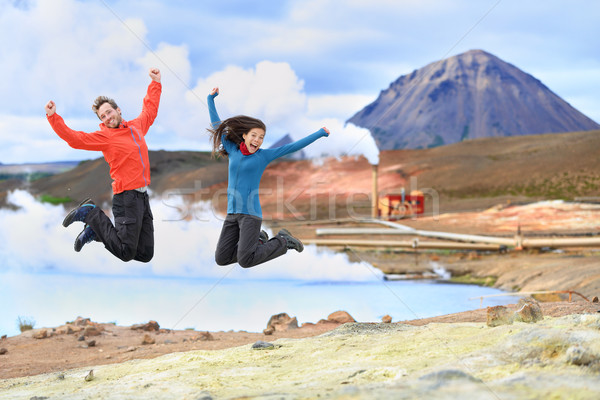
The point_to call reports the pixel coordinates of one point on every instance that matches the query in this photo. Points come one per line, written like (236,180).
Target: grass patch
(567,186)
(469,279)
(46,198)
(25,323)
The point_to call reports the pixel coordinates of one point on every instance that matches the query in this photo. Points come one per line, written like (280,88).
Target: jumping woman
(239,138)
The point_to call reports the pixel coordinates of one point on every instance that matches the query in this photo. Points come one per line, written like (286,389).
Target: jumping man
(124,148)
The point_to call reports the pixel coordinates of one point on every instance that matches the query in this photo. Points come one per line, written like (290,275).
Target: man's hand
(155,74)
(50,108)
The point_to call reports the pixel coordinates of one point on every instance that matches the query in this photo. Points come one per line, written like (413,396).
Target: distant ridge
(287,139)
(471,95)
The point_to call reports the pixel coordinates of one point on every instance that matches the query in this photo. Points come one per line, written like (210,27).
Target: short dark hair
(101,100)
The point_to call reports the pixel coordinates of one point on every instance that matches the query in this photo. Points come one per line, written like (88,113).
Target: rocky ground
(551,358)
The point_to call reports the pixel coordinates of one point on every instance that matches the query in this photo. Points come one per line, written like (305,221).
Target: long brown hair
(233,128)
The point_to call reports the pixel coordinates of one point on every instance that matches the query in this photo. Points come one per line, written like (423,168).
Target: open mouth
(253,148)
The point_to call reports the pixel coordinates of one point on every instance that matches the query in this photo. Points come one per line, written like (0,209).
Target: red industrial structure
(398,206)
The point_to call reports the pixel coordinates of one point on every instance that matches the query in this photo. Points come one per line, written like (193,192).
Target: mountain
(471,95)
(287,139)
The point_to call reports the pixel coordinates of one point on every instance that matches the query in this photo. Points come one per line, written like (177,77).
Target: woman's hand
(214,92)
(326,130)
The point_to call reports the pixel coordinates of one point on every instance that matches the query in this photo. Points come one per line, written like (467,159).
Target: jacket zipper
(140,153)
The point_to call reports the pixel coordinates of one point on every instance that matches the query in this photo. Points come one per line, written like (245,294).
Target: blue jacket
(245,171)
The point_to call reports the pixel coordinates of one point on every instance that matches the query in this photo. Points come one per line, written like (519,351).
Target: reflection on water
(228,304)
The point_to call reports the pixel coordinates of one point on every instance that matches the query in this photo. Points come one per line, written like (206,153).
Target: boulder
(79,321)
(148,339)
(340,317)
(91,330)
(40,334)
(150,326)
(282,322)
(204,336)
(528,311)
(3,351)
(386,319)
(499,315)
(269,330)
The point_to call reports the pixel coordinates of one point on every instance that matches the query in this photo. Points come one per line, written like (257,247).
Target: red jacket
(124,148)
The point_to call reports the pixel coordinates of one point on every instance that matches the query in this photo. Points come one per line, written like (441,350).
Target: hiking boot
(79,213)
(263,237)
(86,236)
(291,242)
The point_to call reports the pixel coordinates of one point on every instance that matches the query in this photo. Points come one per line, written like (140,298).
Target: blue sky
(297,64)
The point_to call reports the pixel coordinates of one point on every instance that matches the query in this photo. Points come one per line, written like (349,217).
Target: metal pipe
(561,242)
(399,229)
(430,234)
(375,195)
(403,244)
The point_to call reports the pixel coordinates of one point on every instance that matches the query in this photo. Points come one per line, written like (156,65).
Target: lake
(228,304)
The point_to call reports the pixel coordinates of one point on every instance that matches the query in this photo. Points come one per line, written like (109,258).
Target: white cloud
(184,247)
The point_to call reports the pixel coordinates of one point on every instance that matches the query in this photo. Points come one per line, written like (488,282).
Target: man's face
(111,117)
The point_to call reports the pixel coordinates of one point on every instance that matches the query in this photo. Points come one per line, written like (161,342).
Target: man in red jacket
(124,148)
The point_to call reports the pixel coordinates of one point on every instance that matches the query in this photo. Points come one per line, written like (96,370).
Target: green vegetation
(25,323)
(24,176)
(489,281)
(565,187)
(46,198)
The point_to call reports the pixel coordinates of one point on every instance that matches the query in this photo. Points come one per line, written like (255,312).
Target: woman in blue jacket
(239,138)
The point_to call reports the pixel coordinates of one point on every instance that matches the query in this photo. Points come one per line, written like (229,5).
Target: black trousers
(239,242)
(132,235)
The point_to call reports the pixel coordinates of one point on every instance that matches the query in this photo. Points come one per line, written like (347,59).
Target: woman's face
(254,139)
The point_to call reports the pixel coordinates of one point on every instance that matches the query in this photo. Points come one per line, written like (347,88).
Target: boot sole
(69,218)
(298,241)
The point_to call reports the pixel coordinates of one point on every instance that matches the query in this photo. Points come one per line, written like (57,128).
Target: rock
(578,355)
(529,311)
(91,330)
(260,345)
(594,300)
(499,315)
(282,322)
(269,330)
(89,376)
(340,317)
(441,378)
(148,339)
(91,343)
(3,337)
(386,319)
(3,351)
(81,338)
(204,336)
(41,334)
(79,321)
(150,326)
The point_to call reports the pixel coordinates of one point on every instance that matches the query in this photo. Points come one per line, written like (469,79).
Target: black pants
(239,242)
(132,235)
